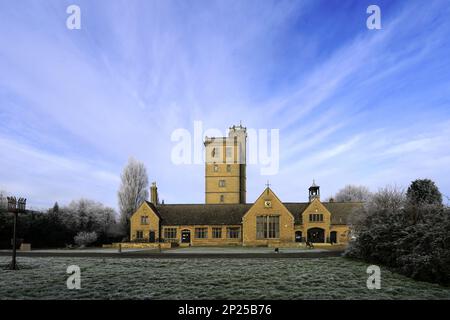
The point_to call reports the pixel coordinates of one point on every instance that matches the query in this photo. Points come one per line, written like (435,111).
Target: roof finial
(267,184)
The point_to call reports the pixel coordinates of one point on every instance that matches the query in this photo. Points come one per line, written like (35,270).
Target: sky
(352,105)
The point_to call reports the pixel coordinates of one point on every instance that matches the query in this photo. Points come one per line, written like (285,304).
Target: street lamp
(15,206)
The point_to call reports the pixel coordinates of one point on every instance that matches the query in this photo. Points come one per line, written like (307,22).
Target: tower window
(216,168)
(222,198)
(213,152)
(228,168)
(221,183)
(229,152)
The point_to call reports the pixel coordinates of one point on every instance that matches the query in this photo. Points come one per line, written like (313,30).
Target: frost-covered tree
(87,215)
(352,193)
(387,234)
(423,191)
(84,239)
(133,191)
(3,201)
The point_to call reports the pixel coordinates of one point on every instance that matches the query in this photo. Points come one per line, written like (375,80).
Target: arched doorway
(333,237)
(316,235)
(298,236)
(185,236)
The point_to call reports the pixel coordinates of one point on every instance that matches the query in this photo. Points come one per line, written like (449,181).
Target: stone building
(226,218)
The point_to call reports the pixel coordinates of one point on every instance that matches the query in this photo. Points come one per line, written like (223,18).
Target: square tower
(225,167)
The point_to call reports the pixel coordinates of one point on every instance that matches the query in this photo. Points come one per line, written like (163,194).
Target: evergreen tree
(55,208)
(423,191)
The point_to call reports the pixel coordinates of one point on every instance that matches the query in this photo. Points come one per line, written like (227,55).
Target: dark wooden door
(185,236)
(298,236)
(333,237)
(151,236)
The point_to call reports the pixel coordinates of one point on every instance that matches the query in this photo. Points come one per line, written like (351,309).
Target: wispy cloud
(352,105)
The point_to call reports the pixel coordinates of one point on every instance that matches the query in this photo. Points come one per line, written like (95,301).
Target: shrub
(411,237)
(85,238)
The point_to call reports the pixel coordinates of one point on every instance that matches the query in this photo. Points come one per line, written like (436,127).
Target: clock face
(268,204)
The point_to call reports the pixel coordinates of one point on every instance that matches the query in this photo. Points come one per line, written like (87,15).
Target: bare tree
(389,198)
(133,190)
(352,193)
(3,200)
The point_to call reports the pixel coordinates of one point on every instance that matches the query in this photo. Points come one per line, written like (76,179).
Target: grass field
(323,278)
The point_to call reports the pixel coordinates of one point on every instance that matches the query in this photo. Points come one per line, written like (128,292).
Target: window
(229,152)
(213,152)
(139,234)
(221,183)
(216,168)
(267,227)
(217,233)
(260,227)
(228,168)
(316,217)
(273,226)
(233,232)
(222,198)
(201,233)
(144,219)
(170,233)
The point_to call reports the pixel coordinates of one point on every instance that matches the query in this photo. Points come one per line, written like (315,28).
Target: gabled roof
(202,214)
(340,211)
(231,214)
(297,208)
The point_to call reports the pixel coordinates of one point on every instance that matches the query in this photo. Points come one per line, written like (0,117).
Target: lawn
(114,278)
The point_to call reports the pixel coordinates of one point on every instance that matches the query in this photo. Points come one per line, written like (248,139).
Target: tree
(352,193)
(386,234)
(87,215)
(55,208)
(424,192)
(133,191)
(83,239)
(3,200)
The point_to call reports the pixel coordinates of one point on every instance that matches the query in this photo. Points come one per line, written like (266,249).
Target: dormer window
(316,217)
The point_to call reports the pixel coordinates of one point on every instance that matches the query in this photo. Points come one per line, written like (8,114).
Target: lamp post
(15,207)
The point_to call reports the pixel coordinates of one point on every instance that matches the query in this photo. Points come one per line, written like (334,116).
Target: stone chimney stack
(154,194)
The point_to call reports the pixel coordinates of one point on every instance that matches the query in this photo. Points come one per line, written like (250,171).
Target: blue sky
(353,106)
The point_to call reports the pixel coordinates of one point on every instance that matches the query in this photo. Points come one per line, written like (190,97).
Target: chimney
(154,194)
